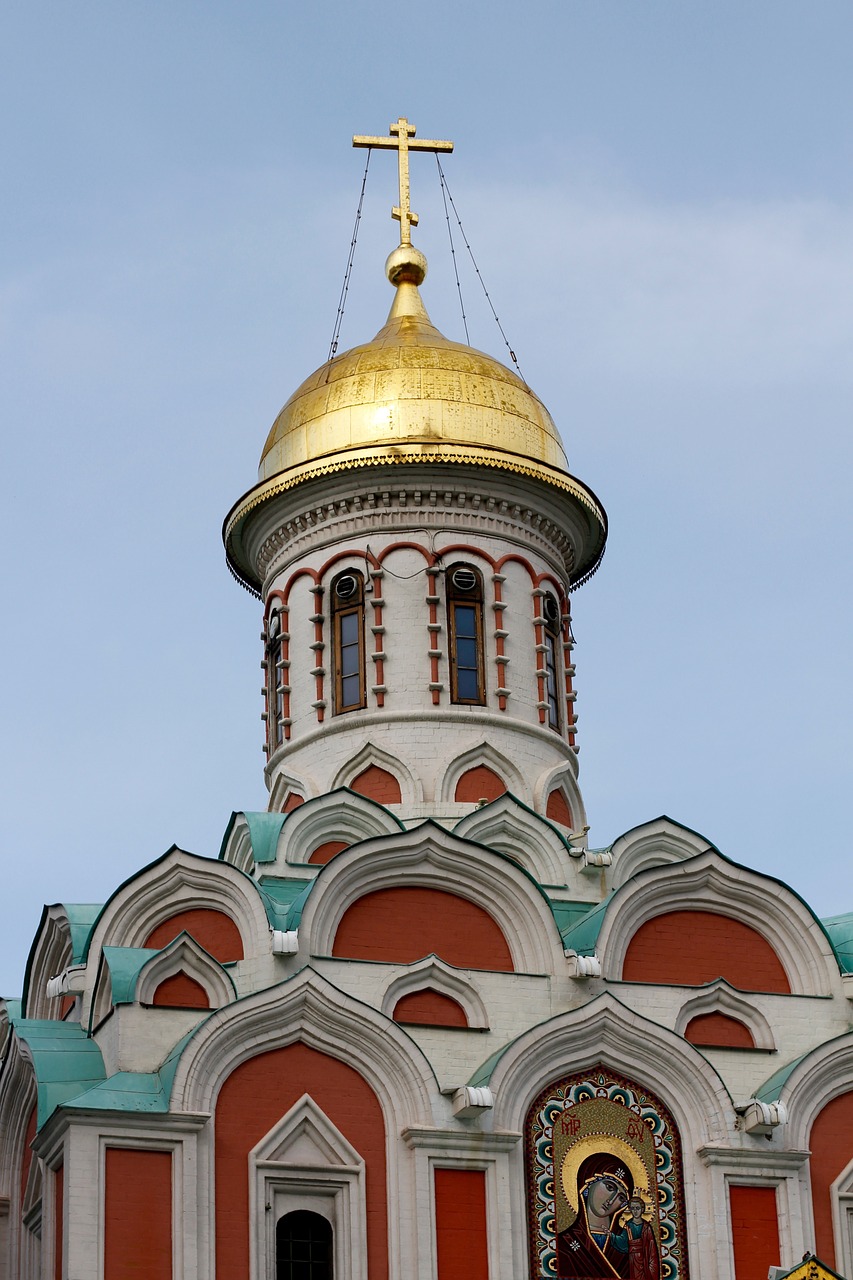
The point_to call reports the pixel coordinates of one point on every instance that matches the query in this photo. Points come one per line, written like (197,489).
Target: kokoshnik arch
(408,1023)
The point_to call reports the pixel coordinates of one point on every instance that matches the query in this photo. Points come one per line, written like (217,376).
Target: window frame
(339,610)
(456,598)
(275,681)
(552,638)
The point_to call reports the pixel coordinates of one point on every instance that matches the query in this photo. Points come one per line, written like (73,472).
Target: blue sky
(659,196)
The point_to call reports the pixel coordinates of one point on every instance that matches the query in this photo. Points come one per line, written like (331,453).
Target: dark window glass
(465,625)
(347,608)
(552,665)
(303,1247)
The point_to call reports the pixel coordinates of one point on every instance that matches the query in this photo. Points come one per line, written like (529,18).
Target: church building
(408,1025)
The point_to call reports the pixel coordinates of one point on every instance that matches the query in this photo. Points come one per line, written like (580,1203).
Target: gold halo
(594,1144)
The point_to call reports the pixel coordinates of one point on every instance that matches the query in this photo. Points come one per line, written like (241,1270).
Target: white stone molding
(432,972)
(338,815)
(582,968)
(285,942)
(184,955)
(841,1194)
(605,1030)
(305,1162)
(71,981)
(178,882)
(654,844)
(309,1010)
(284,783)
(709,882)
(237,848)
(480,753)
(50,954)
(471,1101)
(411,787)
(428,855)
(520,834)
(17,1098)
(761,1118)
(819,1077)
(720,997)
(562,777)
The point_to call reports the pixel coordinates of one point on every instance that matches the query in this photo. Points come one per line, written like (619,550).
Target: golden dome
(408,391)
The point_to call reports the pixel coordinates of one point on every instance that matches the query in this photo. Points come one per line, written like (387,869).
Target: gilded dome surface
(408,392)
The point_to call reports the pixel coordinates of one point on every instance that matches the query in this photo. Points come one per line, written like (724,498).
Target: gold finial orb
(406,265)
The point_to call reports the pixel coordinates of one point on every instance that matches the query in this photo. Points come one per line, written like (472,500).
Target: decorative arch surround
(178,881)
(51,954)
(807,1085)
(654,844)
(185,956)
(435,974)
(309,1010)
(430,856)
(760,902)
(285,786)
(562,777)
(411,790)
(591,1136)
(719,997)
(606,1031)
(517,832)
(481,755)
(341,814)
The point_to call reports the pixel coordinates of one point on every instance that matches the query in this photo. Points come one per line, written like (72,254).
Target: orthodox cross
(402,139)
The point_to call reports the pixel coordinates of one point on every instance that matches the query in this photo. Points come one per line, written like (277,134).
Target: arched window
(275,680)
(348,640)
(303,1247)
(465,627)
(551,613)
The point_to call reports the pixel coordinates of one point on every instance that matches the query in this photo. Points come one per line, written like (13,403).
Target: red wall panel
(58,1221)
(406,923)
(831,1145)
(755,1231)
(377,784)
(558,810)
(693,947)
(718,1029)
(181,992)
(430,1008)
(138,1215)
(213,930)
(480,783)
(460,1224)
(326,851)
(253,1099)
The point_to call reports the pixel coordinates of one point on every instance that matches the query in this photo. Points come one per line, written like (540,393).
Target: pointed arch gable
(720,997)
(285,786)
(179,881)
(310,1010)
(434,973)
(480,755)
(607,1031)
(510,827)
(654,844)
(340,815)
(185,956)
(368,755)
(430,856)
(810,1083)
(711,883)
(562,777)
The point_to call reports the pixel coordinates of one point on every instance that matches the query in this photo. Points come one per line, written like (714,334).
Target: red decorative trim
(432,634)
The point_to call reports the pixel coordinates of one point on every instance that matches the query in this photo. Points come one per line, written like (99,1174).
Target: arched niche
(654,844)
(517,832)
(372,757)
(482,756)
(433,973)
(720,998)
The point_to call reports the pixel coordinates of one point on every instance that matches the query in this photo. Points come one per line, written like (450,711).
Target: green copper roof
(81,918)
(284,900)
(568,915)
(583,936)
(264,831)
(840,932)
(772,1088)
(125,964)
(66,1062)
(125,1091)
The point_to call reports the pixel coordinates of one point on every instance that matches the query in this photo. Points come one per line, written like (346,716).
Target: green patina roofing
(264,831)
(125,1091)
(14,1008)
(839,930)
(483,1074)
(81,920)
(65,1061)
(583,936)
(772,1088)
(284,900)
(569,914)
(125,965)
